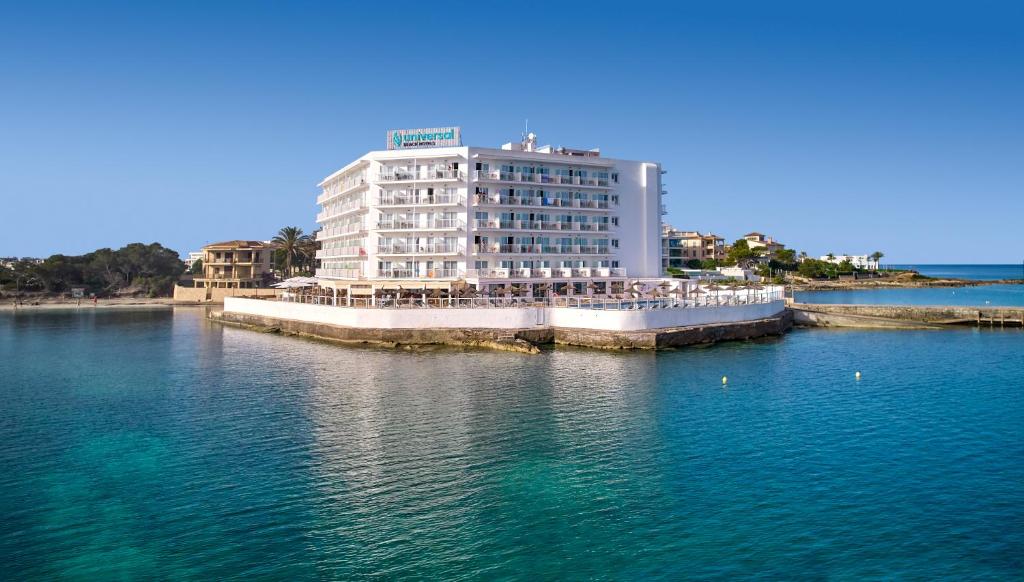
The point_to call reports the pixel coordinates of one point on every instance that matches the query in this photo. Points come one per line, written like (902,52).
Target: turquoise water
(976,272)
(1011,295)
(153,444)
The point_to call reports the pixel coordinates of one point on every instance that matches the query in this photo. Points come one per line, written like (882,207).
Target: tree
(785,256)
(741,255)
(814,269)
(290,241)
(197,267)
(877,256)
(150,269)
(709,264)
(694,264)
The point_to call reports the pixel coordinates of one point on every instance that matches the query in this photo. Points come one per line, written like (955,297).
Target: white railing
(339,273)
(519,249)
(343,209)
(404,176)
(534,178)
(423,300)
(546,273)
(340,231)
(413,224)
(422,274)
(413,249)
(325,196)
(341,252)
(494,223)
(436,200)
(498,200)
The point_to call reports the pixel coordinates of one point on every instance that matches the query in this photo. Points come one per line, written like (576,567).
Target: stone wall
(218,294)
(675,337)
(516,339)
(901,316)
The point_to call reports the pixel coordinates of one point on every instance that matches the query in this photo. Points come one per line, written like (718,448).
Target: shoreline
(7,305)
(894,283)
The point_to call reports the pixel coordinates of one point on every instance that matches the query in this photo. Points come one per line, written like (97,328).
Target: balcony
(424,274)
(339,273)
(536,249)
(519,178)
(325,196)
(341,252)
(546,273)
(428,176)
(436,224)
(423,249)
(497,224)
(333,232)
(497,200)
(436,200)
(345,209)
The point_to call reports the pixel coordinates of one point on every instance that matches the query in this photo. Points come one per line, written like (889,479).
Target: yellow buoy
(857,375)
(725,379)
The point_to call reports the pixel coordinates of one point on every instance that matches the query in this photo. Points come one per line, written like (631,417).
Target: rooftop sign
(431,137)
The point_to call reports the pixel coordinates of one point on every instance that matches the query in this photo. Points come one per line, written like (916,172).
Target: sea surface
(1005,295)
(154,444)
(976,272)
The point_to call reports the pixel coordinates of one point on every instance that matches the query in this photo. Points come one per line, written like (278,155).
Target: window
(615,199)
(615,243)
(615,221)
(615,177)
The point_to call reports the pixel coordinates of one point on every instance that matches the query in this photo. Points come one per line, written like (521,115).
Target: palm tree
(290,240)
(307,253)
(877,257)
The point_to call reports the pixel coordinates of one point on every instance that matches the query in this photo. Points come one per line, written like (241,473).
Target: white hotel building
(429,212)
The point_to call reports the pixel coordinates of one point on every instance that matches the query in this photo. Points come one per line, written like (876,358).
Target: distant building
(242,264)
(858,261)
(192,258)
(678,247)
(757,240)
(9,262)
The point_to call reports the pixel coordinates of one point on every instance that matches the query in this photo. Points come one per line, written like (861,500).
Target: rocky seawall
(524,340)
(903,316)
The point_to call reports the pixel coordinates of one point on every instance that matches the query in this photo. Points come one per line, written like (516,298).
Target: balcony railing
(341,252)
(500,176)
(344,209)
(436,224)
(421,274)
(339,273)
(436,200)
(404,176)
(546,273)
(422,249)
(498,224)
(530,249)
(325,196)
(340,231)
(497,200)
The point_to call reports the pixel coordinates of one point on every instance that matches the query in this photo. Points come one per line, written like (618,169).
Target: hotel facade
(430,212)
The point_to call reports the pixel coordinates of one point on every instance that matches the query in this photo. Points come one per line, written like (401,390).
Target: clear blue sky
(844,127)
